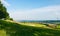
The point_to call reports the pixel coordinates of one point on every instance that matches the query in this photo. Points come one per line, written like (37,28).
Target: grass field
(17,29)
(2,33)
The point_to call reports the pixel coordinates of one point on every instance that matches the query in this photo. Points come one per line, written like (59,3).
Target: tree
(3,12)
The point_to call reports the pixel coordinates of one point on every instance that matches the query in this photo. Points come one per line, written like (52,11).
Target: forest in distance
(42,21)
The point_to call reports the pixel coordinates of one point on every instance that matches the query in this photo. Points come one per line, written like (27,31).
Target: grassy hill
(15,29)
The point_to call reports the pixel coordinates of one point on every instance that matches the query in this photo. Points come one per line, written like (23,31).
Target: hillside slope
(15,29)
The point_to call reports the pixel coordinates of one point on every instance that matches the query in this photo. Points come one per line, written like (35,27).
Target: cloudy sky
(33,9)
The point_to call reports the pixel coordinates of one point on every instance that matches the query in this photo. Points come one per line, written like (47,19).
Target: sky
(33,9)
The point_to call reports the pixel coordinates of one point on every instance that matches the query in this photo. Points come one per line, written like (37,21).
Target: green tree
(3,12)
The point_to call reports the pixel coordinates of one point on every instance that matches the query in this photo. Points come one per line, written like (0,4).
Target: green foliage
(11,19)
(15,29)
(3,12)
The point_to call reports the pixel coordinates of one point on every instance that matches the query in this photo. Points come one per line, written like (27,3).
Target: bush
(11,19)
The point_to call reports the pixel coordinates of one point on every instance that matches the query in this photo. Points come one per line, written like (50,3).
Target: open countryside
(29,18)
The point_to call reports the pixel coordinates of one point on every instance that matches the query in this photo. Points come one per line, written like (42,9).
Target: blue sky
(33,9)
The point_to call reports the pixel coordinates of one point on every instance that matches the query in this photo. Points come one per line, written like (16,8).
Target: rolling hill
(16,29)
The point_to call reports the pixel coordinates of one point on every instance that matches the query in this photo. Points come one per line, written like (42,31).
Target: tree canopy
(3,12)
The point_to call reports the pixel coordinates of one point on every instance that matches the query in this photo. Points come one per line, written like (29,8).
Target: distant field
(20,29)
(38,24)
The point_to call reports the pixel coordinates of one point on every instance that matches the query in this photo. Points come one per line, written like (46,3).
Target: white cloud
(5,3)
(43,13)
(47,9)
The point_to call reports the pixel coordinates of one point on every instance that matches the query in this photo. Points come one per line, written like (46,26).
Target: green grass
(58,26)
(2,33)
(15,29)
(34,24)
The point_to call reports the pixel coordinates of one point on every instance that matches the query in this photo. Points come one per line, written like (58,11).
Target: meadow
(23,29)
